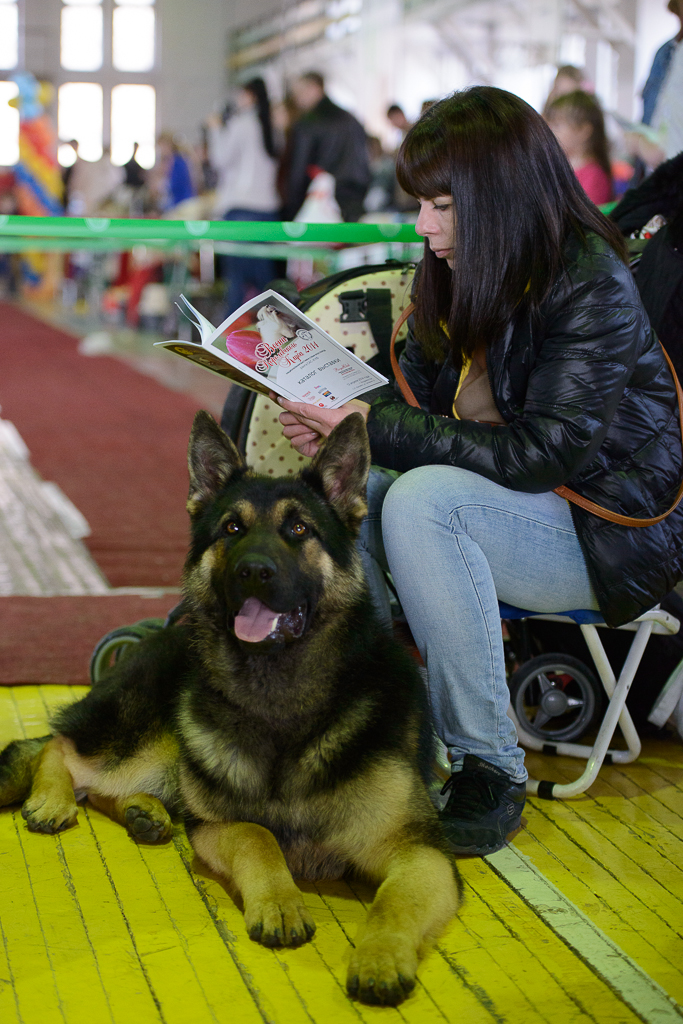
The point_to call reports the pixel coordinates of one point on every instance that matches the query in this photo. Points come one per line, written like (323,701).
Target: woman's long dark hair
(516,199)
(257,88)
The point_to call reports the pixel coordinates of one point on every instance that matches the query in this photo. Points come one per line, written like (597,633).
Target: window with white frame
(81,104)
(133,119)
(9,34)
(79,116)
(81,35)
(133,28)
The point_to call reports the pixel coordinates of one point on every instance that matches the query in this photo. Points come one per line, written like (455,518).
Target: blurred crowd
(305,158)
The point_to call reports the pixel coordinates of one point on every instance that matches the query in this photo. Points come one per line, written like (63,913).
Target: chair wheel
(555,697)
(113,646)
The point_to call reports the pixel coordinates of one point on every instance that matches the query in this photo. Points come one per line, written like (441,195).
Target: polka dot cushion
(267,450)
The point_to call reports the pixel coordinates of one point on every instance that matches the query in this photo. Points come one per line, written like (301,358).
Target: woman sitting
(534,366)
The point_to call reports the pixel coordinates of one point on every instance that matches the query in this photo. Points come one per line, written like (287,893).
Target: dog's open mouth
(256,622)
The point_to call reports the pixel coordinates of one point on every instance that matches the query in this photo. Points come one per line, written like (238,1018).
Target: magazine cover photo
(270,336)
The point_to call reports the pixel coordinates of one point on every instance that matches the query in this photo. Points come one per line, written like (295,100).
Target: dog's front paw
(279,921)
(49,813)
(148,821)
(382,972)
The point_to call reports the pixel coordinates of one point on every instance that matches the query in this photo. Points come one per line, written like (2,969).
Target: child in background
(577,122)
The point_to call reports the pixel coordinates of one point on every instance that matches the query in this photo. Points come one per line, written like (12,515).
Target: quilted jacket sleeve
(593,333)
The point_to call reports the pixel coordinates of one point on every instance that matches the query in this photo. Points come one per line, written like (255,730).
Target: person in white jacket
(243,155)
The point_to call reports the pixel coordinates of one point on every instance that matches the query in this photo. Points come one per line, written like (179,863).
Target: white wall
(192,72)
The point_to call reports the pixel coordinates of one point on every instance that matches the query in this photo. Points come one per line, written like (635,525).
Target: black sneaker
(483,806)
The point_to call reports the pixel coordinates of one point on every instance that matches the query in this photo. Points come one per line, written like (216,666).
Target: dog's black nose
(256,567)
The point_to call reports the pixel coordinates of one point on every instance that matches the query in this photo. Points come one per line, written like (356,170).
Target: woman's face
(244,99)
(573,138)
(436,223)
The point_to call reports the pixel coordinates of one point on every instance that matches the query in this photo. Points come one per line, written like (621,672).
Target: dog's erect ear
(212,459)
(342,466)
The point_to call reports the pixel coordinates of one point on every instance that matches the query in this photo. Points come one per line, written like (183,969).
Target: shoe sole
(477,851)
(483,851)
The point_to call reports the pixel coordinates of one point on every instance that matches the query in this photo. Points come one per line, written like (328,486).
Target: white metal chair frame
(654,621)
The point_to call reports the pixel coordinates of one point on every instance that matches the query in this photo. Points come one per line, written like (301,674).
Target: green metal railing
(102,233)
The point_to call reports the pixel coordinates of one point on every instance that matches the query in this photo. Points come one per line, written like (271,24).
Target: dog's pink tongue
(255,621)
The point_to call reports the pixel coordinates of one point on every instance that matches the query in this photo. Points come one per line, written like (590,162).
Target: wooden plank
(270,981)
(626,920)
(212,964)
(178,991)
(628,857)
(643,788)
(9,1004)
(669,772)
(556,983)
(71,951)
(105,919)
(10,717)
(31,710)
(622,976)
(439,990)
(628,827)
(34,980)
(340,915)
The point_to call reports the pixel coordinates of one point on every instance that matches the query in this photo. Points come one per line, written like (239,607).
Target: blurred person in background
(68,171)
(398,119)
(136,175)
(662,103)
(90,183)
(577,122)
(567,79)
(667,119)
(403,203)
(380,194)
(661,66)
(326,138)
(174,181)
(242,152)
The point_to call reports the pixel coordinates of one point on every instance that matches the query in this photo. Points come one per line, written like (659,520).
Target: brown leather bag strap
(398,372)
(564,492)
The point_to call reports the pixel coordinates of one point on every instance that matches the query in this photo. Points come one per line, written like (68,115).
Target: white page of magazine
(204,326)
(278,344)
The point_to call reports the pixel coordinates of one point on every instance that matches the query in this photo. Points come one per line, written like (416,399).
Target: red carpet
(114,441)
(51,639)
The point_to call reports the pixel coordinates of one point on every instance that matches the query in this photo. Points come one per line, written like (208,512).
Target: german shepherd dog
(280,719)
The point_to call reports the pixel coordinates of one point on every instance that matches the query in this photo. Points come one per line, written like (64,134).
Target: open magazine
(270,345)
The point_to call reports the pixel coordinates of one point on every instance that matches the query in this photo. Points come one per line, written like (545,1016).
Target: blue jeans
(455,543)
(245,274)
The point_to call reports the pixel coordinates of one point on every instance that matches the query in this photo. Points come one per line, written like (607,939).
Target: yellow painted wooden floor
(580,920)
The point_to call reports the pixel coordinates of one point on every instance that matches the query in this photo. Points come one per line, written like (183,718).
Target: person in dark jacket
(534,366)
(659,273)
(328,138)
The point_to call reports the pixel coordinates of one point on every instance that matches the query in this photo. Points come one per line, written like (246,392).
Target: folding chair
(654,621)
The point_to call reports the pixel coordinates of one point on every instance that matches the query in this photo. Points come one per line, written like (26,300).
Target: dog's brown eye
(299,529)
(232,527)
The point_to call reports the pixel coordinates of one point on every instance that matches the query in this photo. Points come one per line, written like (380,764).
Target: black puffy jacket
(588,401)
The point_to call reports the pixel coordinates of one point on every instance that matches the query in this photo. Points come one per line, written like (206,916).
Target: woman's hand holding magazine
(307,425)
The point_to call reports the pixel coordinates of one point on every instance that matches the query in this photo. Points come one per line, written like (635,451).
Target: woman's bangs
(422,168)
